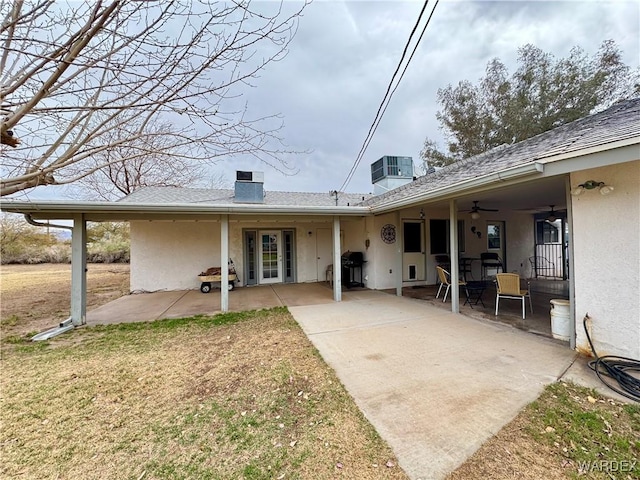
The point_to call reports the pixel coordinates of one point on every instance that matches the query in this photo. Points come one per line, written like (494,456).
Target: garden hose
(616,368)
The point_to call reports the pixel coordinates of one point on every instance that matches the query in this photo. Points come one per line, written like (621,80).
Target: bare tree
(149,160)
(71,74)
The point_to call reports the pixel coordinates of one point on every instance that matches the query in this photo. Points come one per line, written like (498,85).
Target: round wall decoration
(388,233)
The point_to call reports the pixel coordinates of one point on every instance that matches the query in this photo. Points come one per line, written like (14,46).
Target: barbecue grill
(352,263)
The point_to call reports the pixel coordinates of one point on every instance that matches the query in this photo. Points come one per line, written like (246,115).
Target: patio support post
(79,271)
(337,263)
(572,281)
(455,271)
(399,245)
(224,262)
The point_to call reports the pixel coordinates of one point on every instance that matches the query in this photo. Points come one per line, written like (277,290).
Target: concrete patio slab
(141,307)
(434,384)
(146,307)
(294,294)
(194,302)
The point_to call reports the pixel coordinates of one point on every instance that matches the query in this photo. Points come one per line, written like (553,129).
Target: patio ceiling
(533,196)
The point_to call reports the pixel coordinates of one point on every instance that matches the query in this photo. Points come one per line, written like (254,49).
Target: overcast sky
(329,86)
(331,83)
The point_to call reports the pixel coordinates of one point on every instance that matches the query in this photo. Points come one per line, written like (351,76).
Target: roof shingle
(206,196)
(619,122)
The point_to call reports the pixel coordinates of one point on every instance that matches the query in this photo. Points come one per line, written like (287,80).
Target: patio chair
(508,286)
(490,260)
(444,278)
(328,274)
(443,261)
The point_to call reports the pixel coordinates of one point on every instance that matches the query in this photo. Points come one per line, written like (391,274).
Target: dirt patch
(37,297)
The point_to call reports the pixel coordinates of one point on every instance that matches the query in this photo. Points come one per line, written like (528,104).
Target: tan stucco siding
(168,255)
(607,260)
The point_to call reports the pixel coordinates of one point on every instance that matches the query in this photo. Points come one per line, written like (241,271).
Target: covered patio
(510,313)
(145,307)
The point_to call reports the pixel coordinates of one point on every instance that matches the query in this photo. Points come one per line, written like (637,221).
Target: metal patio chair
(444,278)
(490,261)
(508,286)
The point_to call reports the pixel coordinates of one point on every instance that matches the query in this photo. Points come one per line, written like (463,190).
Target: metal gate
(550,258)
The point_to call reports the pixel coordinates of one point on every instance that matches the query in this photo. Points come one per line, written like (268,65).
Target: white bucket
(560,318)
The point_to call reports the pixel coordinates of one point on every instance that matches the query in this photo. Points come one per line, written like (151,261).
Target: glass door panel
(270,257)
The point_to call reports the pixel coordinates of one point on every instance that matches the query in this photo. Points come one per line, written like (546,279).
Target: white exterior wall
(520,241)
(167,255)
(382,272)
(607,260)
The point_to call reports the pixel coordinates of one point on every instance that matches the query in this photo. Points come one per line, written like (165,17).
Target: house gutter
(66,210)
(455,189)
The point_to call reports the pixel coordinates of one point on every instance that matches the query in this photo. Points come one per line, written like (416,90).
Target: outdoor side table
(474,291)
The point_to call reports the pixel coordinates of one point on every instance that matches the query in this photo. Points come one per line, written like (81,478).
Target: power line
(389,93)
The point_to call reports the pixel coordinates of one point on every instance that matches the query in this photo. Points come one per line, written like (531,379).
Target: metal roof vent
(249,187)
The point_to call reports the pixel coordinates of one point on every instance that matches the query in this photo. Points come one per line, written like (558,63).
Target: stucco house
(564,204)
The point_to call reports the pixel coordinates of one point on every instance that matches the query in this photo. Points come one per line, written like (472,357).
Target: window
(412,237)
(547,232)
(439,236)
(494,237)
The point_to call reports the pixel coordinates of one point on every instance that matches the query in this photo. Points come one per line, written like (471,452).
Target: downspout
(67,324)
(31,221)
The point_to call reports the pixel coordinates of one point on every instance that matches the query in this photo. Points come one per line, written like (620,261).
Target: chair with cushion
(490,260)
(445,279)
(508,286)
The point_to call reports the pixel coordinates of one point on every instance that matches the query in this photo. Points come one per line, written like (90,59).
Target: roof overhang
(559,164)
(501,178)
(99,211)
(610,153)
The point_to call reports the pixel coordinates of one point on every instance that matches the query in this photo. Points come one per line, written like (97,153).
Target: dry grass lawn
(34,298)
(232,396)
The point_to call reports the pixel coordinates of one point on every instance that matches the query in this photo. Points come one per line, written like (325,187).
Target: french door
(270,256)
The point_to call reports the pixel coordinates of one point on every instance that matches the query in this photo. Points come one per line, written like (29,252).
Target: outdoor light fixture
(422,214)
(592,185)
(475,215)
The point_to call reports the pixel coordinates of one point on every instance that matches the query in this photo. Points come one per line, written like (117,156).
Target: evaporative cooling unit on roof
(249,187)
(391,172)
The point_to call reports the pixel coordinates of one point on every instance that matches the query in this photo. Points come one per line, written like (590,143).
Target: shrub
(26,244)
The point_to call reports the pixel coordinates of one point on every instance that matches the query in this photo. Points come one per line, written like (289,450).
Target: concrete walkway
(434,384)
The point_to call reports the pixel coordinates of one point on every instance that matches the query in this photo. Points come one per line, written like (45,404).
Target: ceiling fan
(552,216)
(475,210)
